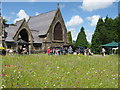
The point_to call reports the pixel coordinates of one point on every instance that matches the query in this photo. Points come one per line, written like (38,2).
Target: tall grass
(65,71)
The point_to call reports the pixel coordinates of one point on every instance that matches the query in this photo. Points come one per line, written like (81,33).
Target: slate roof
(39,25)
(18,23)
(10,31)
(36,37)
(41,22)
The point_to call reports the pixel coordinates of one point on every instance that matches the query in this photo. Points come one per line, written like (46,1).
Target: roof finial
(58,5)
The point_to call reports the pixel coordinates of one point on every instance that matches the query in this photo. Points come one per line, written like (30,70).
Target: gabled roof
(10,30)
(39,25)
(42,22)
(18,23)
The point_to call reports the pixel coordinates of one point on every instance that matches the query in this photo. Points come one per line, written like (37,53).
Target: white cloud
(74,33)
(104,18)
(93,19)
(89,34)
(75,21)
(21,14)
(37,13)
(90,5)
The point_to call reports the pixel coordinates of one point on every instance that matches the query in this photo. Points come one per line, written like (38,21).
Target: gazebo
(112,46)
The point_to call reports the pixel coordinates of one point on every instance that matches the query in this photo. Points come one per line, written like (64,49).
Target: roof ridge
(44,13)
(20,20)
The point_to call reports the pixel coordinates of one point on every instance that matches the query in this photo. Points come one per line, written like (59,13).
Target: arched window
(58,34)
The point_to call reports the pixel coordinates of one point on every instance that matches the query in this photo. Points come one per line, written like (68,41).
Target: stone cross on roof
(58,5)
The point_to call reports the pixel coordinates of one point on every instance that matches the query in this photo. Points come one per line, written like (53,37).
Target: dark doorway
(23,40)
(24,35)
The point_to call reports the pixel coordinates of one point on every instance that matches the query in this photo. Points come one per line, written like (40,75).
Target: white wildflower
(14,70)
(54,85)
(113,78)
(68,72)
(95,71)
(100,83)
(3,86)
(58,67)
(33,75)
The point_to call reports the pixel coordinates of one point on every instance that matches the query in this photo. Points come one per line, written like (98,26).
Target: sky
(75,14)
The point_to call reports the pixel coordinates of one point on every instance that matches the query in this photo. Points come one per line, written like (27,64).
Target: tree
(69,37)
(81,39)
(105,32)
(117,28)
(96,38)
(111,31)
(4,21)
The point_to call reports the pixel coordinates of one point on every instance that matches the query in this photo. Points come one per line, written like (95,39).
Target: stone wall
(0,31)
(49,39)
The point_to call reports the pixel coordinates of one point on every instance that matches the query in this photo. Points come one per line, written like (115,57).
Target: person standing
(103,52)
(85,52)
(48,51)
(89,50)
(56,51)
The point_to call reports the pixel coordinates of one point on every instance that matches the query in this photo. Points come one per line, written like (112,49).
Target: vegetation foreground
(65,71)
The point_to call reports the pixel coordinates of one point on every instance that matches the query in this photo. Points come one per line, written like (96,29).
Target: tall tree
(106,31)
(69,37)
(81,39)
(96,38)
(111,31)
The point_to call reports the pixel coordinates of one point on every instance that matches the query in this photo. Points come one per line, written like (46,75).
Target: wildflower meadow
(64,71)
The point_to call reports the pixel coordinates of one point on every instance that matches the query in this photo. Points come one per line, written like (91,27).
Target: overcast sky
(75,14)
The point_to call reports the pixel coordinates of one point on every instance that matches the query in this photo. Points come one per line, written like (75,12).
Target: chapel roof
(39,25)
(10,30)
(41,22)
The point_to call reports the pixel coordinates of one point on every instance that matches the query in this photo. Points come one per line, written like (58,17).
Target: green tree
(111,31)
(4,21)
(81,39)
(105,32)
(69,37)
(117,28)
(96,38)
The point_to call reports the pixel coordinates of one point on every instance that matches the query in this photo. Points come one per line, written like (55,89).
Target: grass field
(65,71)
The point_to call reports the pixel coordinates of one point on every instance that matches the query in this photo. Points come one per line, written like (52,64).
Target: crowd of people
(55,51)
(69,50)
(18,51)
